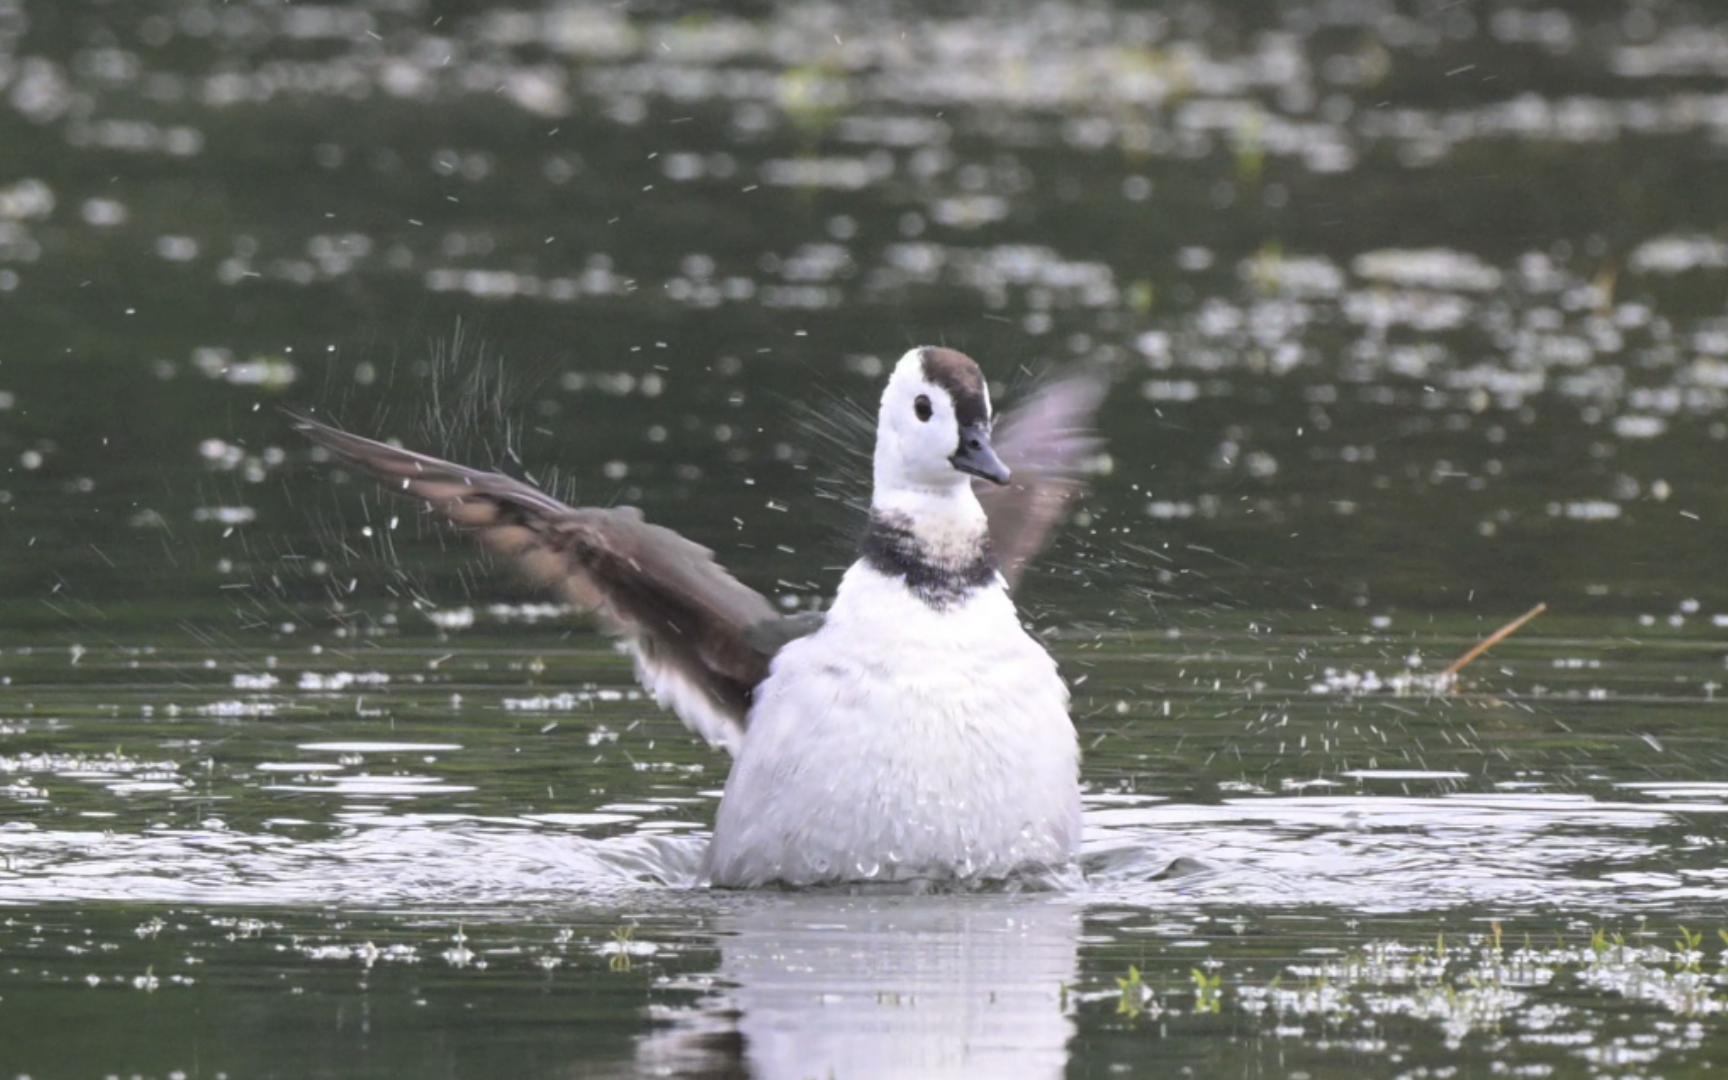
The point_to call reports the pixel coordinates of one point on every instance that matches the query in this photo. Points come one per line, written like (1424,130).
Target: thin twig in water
(1494,639)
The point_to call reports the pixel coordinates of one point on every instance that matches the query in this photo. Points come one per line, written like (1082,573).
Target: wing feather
(695,631)
(1046,441)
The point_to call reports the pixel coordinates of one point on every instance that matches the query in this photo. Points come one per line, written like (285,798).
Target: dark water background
(1417,317)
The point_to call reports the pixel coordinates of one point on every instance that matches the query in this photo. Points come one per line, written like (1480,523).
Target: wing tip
(326,435)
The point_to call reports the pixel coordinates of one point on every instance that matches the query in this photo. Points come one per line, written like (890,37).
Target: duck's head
(934,428)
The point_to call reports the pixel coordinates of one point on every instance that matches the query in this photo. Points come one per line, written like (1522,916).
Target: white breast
(903,742)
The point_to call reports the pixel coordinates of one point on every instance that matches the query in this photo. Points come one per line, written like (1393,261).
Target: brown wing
(1045,441)
(700,637)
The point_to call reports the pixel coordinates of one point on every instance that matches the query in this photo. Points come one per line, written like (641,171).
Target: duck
(913,732)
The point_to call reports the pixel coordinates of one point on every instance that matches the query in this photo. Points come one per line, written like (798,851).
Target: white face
(917,431)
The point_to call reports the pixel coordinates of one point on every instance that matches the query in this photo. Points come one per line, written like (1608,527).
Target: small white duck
(915,732)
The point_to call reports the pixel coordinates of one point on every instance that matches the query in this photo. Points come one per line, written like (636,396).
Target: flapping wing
(700,638)
(1045,441)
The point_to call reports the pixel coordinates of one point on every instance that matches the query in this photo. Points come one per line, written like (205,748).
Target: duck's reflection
(882,987)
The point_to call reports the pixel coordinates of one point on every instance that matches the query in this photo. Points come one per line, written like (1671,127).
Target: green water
(1417,317)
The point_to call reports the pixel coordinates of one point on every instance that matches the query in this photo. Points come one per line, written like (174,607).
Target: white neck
(947,519)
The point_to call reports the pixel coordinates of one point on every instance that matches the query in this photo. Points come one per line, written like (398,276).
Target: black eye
(922,407)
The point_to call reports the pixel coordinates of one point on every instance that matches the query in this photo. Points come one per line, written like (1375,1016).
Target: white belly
(902,743)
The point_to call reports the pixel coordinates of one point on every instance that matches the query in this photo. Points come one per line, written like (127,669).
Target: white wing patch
(685,699)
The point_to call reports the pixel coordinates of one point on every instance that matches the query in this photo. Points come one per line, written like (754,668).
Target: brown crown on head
(958,374)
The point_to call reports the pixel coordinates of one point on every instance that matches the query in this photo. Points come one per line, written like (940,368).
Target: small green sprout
(1133,993)
(622,936)
(1251,152)
(1208,991)
(1688,950)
